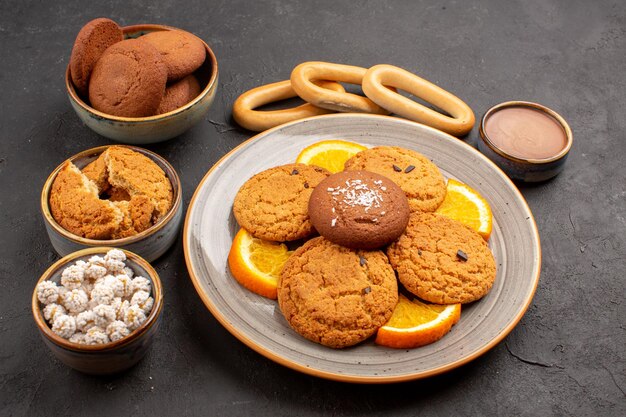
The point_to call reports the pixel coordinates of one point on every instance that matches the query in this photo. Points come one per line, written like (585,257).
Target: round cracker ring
(379,78)
(255,120)
(301,81)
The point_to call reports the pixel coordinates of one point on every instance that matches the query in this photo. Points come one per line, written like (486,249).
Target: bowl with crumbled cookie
(116,196)
(140,84)
(98,309)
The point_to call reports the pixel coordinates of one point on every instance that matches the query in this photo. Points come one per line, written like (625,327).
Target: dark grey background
(566,356)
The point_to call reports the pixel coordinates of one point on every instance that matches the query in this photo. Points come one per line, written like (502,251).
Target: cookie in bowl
(121,96)
(113,196)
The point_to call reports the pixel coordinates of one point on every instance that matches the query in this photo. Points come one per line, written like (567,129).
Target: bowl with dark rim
(112,357)
(151,129)
(519,168)
(149,244)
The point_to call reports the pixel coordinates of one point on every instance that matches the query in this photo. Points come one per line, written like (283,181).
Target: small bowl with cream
(528,141)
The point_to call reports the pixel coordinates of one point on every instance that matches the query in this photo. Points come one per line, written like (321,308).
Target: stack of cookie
(375,220)
(141,77)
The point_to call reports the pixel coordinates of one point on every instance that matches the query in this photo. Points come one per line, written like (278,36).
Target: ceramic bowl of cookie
(115,196)
(185,101)
(93,352)
(528,141)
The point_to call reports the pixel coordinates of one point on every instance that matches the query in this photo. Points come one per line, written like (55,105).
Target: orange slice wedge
(256,264)
(329,154)
(466,205)
(414,323)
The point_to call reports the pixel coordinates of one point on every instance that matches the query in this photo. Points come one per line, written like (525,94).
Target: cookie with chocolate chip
(359,209)
(442,261)
(336,296)
(273,204)
(419,178)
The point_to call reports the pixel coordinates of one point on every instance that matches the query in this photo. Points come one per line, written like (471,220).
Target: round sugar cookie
(442,261)
(128,80)
(336,296)
(92,40)
(182,52)
(419,178)
(273,204)
(179,93)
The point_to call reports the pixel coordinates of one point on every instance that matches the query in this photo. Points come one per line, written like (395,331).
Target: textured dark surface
(567,356)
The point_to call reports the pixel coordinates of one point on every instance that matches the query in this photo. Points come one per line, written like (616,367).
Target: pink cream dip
(525,133)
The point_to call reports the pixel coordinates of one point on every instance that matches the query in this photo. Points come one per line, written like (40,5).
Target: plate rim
(268,353)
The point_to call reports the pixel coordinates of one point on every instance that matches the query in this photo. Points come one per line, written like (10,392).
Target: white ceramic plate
(257,321)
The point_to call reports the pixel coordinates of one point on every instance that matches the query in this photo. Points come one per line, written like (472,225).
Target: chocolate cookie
(182,52)
(128,80)
(179,94)
(418,177)
(273,204)
(359,209)
(442,261)
(93,39)
(334,295)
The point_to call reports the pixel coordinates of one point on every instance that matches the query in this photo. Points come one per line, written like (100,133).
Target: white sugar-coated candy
(143,300)
(85,320)
(104,315)
(75,301)
(114,260)
(129,272)
(102,294)
(51,311)
(127,283)
(96,336)
(78,338)
(134,317)
(141,284)
(96,260)
(120,310)
(47,292)
(117,330)
(95,271)
(64,326)
(117,285)
(72,277)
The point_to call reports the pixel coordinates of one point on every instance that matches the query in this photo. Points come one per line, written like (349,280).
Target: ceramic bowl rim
(533,161)
(177,201)
(157,294)
(74,97)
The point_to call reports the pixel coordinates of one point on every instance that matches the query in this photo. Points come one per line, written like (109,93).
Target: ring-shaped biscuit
(379,78)
(255,120)
(302,78)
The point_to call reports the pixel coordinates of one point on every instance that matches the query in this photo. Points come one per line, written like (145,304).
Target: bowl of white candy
(98,309)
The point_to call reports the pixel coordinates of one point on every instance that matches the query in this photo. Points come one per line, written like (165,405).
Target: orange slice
(329,154)
(256,264)
(414,323)
(466,205)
